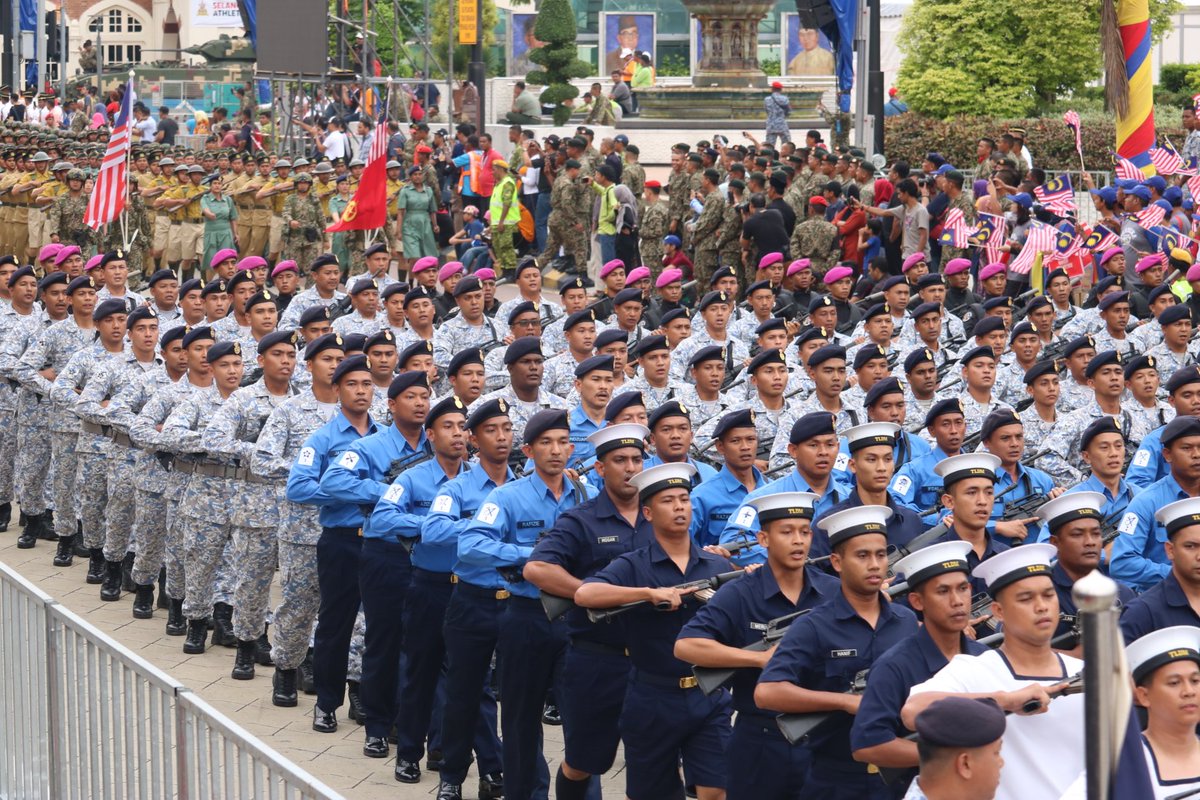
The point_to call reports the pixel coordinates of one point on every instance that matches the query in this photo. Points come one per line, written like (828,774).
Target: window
(118,30)
(115,21)
(122,53)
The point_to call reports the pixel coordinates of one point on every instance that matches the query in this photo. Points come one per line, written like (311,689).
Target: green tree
(559,59)
(1003,57)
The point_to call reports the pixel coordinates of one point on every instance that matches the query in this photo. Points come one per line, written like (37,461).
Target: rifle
(341,308)
(709,584)
(920,542)
(710,679)
(1020,509)
(870,300)
(727,384)
(1054,351)
(400,465)
(971,442)
(556,606)
(795,727)
(1109,530)
(1061,323)
(945,368)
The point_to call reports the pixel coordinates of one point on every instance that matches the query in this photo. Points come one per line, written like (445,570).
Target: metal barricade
(83,716)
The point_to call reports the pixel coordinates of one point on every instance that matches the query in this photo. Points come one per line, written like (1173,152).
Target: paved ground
(335,759)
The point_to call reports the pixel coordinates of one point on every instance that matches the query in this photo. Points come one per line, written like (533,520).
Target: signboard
(468,21)
(215,14)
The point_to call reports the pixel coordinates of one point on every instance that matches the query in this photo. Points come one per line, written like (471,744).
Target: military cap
(471,355)
(961,722)
(219,350)
(622,401)
(671,408)
(1102,359)
(419,293)
(662,477)
(314,314)
(140,314)
(197,333)
(51,279)
(950,405)
(818,423)
(1183,377)
(584,315)
(449,405)
(328,341)
(1178,428)
(523,307)
(407,380)
(679,312)
(967,465)
(524,346)
(882,388)
(649,344)
(811,332)
(384,338)
(355,363)
(260,297)
(466,285)
(593,363)
(22,272)
(988,325)
(616,437)
(613,335)
(542,422)
(1165,645)
(823,354)
(490,409)
(107,308)
(712,352)
(393,288)
(421,347)
(866,354)
(323,260)
(1038,370)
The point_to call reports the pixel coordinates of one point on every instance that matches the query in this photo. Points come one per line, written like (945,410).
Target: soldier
(258,217)
(31,225)
(37,370)
(816,239)
(22,320)
(470,328)
(365,318)
(43,198)
(139,229)
(729,242)
(735,438)
(652,227)
(705,230)
(303,222)
(326,274)
(275,193)
(715,310)
(186,242)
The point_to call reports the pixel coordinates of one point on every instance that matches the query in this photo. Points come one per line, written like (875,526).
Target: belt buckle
(689,682)
(503,594)
(453,578)
(872,769)
(360,533)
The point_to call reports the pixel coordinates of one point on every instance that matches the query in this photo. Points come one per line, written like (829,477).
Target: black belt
(663,681)
(176,222)
(205,468)
(474,590)
(598,648)
(356,532)
(429,576)
(194,219)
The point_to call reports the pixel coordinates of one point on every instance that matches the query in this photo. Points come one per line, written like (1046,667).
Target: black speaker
(292,36)
(815,13)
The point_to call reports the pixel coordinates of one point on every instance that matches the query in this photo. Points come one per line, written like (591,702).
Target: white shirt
(1047,747)
(148,127)
(335,145)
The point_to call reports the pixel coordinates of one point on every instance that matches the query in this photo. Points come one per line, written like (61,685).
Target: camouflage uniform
(456,334)
(1064,443)
(519,410)
(299,528)
(816,239)
(137,254)
(634,176)
(704,234)
(848,417)
(305,209)
(564,216)
(157,538)
(90,479)
(678,199)
(303,301)
(652,229)
(651,395)
(206,503)
(231,434)
(729,244)
(64,219)
(354,323)
(19,330)
(701,411)
(53,350)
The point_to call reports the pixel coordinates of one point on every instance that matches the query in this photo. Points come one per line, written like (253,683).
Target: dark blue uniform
(1066,603)
(761,764)
(357,478)
(903,525)
(978,585)
(823,652)
(502,535)
(337,555)
(665,715)
(1160,607)
(913,661)
(401,514)
(469,630)
(595,670)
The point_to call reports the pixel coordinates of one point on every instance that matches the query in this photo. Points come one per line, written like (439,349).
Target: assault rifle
(795,727)
(709,679)
(697,587)
(920,542)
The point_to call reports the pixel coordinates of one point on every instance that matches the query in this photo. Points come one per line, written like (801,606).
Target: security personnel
(1074,524)
(583,541)
(1165,666)
(359,476)
(820,655)
(761,764)
(1138,557)
(939,588)
(665,717)
(968,494)
(472,615)
(813,448)
(399,516)
(1103,449)
(916,485)
(1004,436)
(885,402)
(502,535)
(871,466)
(713,502)
(959,747)
(1170,601)
(1148,464)
(671,434)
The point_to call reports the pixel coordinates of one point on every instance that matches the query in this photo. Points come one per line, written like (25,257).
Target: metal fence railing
(83,716)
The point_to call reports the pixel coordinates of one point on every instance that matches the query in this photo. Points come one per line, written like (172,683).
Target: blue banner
(249,9)
(841,32)
(29,15)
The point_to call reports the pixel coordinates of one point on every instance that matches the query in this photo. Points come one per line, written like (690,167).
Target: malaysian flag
(1042,239)
(1190,167)
(989,234)
(1056,195)
(1072,120)
(1126,169)
(1100,239)
(1165,159)
(955,232)
(1193,185)
(108,196)
(1150,216)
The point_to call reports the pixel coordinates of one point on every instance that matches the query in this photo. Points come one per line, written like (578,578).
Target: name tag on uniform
(607,539)
(442,504)
(422,504)
(718,517)
(307,457)
(525,524)
(758,626)
(843,653)
(902,485)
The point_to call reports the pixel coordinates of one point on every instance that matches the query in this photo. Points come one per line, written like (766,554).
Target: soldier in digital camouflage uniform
(565,226)
(20,326)
(653,226)
(303,222)
(140,231)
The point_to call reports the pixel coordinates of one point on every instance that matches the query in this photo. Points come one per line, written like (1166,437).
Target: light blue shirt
(401,513)
(1139,557)
(713,503)
(452,512)
(744,521)
(323,447)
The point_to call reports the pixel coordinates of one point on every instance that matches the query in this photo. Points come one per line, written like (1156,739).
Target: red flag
(367,210)
(1041,239)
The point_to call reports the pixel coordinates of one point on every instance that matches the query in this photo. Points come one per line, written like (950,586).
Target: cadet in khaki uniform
(171,204)
(391,231)
(191,220)
(275,191)
(259,217)
(234,183)
(35,219)
(152,192)
(18,238)
(7,180)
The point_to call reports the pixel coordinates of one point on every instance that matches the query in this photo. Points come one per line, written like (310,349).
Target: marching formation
(780,519)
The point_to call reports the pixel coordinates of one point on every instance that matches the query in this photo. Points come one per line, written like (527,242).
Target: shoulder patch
(488,514)
(1129,523)
(746,517)
(349,459)
(902,484)
(394,493)
(442,504)
(1141,458)
(307,457)
(842,461)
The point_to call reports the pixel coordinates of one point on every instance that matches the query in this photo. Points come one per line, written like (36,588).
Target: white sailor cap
(659,478)
(1179,515)
(1016,564)
(872,434)
(784,505)
(967,465)
(613,437)
(1163,646)
(1070,507)
(934,560)
(855,522)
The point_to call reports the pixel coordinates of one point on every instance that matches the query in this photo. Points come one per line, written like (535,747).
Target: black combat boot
(283,688)
(81,549)
(127,584)
(65,555)
(29,534)
(176,624)
(223,625)
(164,601)
(143,601)
(243,663)
(262,649)
(46,527)
(111,588)
(95,573)
(306,675)
(5,516)
(197,633)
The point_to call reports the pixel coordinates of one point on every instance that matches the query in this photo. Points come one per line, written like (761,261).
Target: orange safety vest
(474,164)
